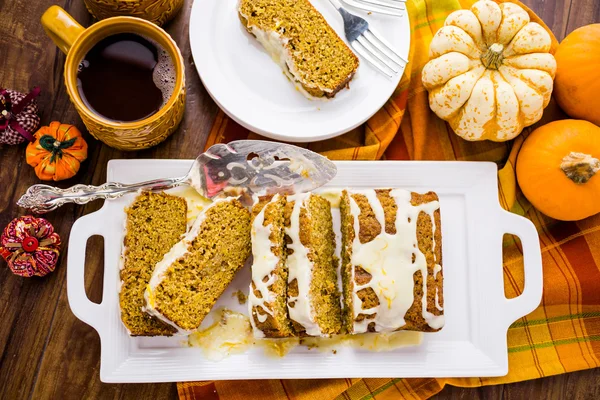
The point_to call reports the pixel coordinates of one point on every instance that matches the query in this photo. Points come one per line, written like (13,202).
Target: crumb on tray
(241,297)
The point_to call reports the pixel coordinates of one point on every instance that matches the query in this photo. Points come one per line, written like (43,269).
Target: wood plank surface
(47,353)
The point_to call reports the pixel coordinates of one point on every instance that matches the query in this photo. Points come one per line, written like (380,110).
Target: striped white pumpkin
(490,72)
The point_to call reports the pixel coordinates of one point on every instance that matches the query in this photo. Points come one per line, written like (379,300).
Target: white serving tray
(473,342)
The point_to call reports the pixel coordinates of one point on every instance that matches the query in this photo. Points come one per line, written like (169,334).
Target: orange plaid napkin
(562,335)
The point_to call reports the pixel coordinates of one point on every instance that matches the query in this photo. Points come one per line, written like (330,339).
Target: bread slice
(155,222)
(187,282)
(268,290)
(299,39)
(391,261)
(313,296)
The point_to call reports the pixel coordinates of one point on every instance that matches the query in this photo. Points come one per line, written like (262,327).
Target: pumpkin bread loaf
(190,278)
(299,39)
(391,261)
(155,222)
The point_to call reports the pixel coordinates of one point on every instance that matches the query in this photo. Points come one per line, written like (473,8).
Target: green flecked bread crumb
(155,222)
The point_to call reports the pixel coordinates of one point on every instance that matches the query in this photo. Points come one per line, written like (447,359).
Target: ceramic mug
(75,41)
(157,11)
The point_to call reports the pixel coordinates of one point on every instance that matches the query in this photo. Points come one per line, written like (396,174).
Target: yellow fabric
(562,335)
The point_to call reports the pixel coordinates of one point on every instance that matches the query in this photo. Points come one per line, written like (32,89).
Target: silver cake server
(243,167)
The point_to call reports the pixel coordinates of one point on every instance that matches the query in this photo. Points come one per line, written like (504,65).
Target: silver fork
(370,46)
(388,7)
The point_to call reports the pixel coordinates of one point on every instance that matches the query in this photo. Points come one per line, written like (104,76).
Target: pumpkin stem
(580,167)
(54,146)
(492,58)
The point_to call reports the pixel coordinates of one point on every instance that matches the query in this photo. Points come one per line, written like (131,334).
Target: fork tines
(389,7)
(379,53)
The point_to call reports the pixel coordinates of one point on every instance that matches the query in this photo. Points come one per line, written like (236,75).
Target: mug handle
(61,27)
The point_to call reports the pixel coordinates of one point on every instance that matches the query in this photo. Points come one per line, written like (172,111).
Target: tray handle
(87,311)
(531,297)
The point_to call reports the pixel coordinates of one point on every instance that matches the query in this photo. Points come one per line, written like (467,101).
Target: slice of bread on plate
(302,43)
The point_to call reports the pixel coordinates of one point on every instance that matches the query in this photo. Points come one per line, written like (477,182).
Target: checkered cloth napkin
(562,335)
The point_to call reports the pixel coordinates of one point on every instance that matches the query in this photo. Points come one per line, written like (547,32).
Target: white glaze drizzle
(437,301)
(300,268)
(388,259)
(437,268)
(263,265)
(434,321)
(334,196)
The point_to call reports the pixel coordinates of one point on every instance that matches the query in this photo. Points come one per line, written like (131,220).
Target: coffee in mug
(131,91)
(126,77)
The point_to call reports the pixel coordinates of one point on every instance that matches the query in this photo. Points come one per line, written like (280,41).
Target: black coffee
(125,77)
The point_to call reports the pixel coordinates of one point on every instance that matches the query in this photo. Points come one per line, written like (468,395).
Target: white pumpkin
(490,72)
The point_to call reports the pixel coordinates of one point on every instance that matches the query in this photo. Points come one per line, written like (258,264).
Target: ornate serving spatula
(242,167)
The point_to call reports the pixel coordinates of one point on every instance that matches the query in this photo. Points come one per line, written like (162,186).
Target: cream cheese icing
(229,334)
(300,269)
(195,202)
(436,269)
(337,230)
(437,301)
(388,258)
(434,321)
(263,265)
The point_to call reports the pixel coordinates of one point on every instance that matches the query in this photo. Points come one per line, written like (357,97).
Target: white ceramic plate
(244,81)
(473,342)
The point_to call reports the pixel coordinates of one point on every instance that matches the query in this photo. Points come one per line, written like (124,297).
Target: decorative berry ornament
(57,151)
(30,246)
(18,116)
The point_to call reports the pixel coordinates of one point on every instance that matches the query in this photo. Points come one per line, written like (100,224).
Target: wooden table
(45,352)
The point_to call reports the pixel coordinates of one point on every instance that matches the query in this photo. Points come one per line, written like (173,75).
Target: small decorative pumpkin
(577,83)
(57,151)
(30,246)
(558,169)
(490,71)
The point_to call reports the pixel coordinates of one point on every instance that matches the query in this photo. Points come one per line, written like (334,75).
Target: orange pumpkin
(577,82)
(558,169)
(57,151)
